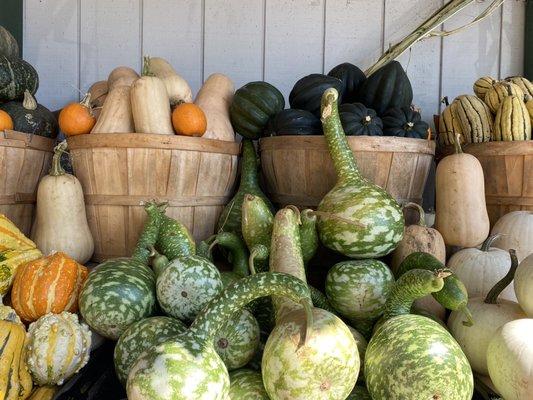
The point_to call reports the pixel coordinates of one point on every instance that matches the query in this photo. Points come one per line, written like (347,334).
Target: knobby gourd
(178,89)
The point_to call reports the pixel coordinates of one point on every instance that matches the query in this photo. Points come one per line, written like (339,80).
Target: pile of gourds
(499,111)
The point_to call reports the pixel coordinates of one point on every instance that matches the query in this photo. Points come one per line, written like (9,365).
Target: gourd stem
(249,177)
(445,101)
(457,144)
(492,295)
(469,319)
(146,70)
(29,102)
(420,210)
(56,168)
(259,252)
(86,101)
(488,242)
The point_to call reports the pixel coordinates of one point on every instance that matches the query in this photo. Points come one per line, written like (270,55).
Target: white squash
(489,313)
(121,76)
(523,285)
(510,360)
(116,116)
(60,219)
(178,89)
(517,233)
(481,269)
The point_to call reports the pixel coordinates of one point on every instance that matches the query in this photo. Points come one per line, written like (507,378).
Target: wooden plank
(422,61)
(233,39)
(294,41)
(512,50)
(172,29)
(109,37)
(51,46)
(354,31)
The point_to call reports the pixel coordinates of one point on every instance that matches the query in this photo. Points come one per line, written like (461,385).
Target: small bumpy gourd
(58,347)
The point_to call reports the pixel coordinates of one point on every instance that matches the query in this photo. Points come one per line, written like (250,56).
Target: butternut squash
(121,76)
(178,89)
(215,98)
(116,116)
(150,104)
(60,221)
(461,211)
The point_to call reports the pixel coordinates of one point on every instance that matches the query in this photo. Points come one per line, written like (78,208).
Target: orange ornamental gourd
(5,121)
(77,118)
(49,284)
(189,120)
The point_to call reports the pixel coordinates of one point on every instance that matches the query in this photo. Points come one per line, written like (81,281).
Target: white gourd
(178,89)
(517,233)
(523,285)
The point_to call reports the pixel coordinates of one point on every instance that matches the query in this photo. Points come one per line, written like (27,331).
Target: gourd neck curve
(497,289)
(56,169)
(249,176)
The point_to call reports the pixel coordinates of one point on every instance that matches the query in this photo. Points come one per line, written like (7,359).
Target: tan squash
(214,98)
(116,115)
(98,91)
(512,120)
(461,211)
(474,117)
(60,221)
(483,85)
(500,91)
(150,105)
(178,89)
(524,83)
(121,76)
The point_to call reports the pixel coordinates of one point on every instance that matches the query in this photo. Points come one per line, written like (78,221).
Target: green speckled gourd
(174,239)
(139,337)
(246,384)
(238,254)
(188,367)
(256,225)
(327,365)
(356,218)
(203,248)
(116,294)
(186,286)
(413,357)
(308,234)
(150,232)
(230,218)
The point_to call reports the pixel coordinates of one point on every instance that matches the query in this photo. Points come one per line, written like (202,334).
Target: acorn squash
(352,79)
(404,122)
(307,92)
(16,76)
(358,120)
(293,122)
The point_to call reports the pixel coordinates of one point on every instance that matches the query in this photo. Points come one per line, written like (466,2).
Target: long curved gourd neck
(343,158)
(238,250)
(258,253)
(413,285)
(56,169)
(237,295)
(249,167)
(487,244)
(420,211)
(494,293)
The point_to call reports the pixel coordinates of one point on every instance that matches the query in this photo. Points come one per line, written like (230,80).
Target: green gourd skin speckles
(237,250)
(188,367)
(139,337)
(411,356)
(356,218)
(186,286)
(116,294)
(174,239)
(246,384)
(308,235)
(149,234)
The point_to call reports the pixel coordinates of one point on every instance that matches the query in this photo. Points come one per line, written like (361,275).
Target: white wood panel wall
(73,43)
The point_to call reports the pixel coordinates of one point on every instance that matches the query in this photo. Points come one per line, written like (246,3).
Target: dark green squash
(388,87)
(404,122)
(307,92)
(358,120)
(293,122)
(252,106)
(352,79)
(8,44)
(16,76)
(30,117)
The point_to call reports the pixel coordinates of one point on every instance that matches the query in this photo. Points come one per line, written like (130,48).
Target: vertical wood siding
(74,43)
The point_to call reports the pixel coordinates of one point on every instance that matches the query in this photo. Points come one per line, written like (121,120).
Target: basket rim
(11,138)
(514,148)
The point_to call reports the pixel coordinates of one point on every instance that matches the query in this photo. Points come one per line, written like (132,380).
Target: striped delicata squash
(475,118)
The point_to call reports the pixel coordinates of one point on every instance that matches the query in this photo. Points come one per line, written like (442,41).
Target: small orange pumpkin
(189,120)
(48,284)
(5,121)
(77,118)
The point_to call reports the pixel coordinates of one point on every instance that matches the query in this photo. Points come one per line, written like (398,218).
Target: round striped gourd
(449,125)
(58,347)
(500,91)
(524,83)
(246,384)
(117,293)
(48,284)
(475,119)
(139,337)
(512,120)
(187,285)
(483,85)
(414,357)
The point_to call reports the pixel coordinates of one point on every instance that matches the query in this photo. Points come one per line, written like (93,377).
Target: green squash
(293,122)
(239,256)
(388,87)
(307,92)
(256,226)
(352,79)
(16,76)
(414,357)
(357,120)
(30,117)
(252,106)
(246,384)
(8,44)
(174,239)
(116,294)
(404,122)
(356,218)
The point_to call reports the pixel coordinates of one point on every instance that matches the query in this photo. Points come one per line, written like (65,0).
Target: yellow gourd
(10,261)
(11,238)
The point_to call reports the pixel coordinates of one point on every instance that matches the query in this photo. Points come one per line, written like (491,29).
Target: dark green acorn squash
(404,122)
(358,120)
(307,92)
(388,87)
(293,122)
(30,117)
(8,45)
(16,76)
(252,106)
(352,79)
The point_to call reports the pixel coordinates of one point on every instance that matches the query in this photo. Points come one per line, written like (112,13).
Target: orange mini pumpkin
(77,118)
(189,120)
(48,284)
(5,121)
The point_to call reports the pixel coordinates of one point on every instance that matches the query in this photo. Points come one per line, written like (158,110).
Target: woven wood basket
(24,159)
(298,170)
(118,172)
